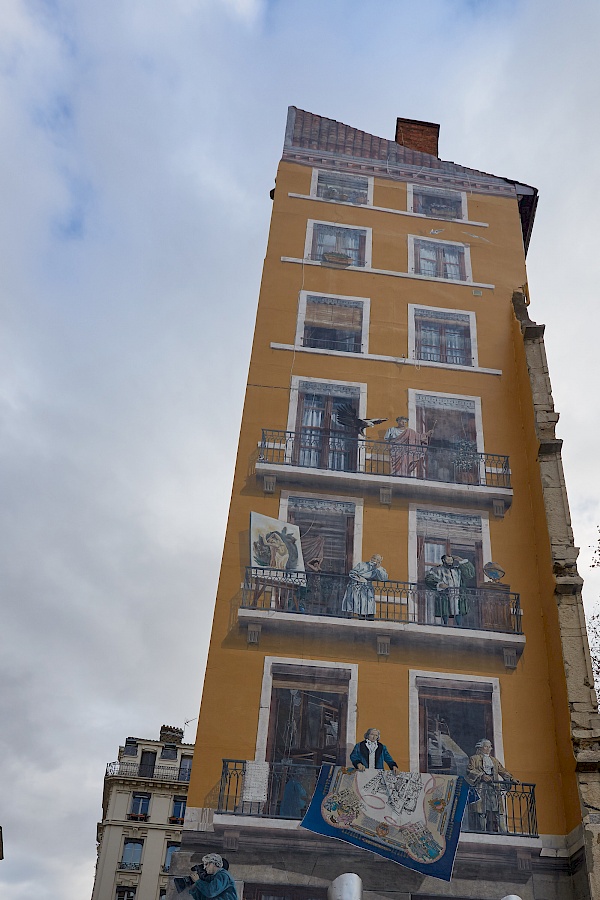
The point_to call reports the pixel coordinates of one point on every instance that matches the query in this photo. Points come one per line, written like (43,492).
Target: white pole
(345,887)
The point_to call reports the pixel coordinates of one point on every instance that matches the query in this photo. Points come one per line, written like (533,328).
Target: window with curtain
(322,442)
(334,243)
(342,187)
(443,337)
(333,324)
(140,804)
(438,259)
(179,804)
(437,203)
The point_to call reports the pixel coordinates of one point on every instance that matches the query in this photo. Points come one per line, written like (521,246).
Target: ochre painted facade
(533,724)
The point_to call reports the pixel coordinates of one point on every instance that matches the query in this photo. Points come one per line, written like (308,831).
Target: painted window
(140,804)
(326,533)
(452,451)
(453,717)
(443,336)
(132,854)
(454,534)
(333,323)
(437,203)
(171,849)
(321,442)
(342,187)
(337,244)
(439,259)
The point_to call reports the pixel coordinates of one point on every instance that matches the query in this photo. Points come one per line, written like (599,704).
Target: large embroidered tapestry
(411,818)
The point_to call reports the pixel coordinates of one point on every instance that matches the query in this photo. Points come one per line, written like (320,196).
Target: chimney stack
(170,734)
(415,135)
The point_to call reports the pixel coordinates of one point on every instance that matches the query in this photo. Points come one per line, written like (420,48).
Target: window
(333,323)
(438,203)
(171,849)
(326,532)
(453,717)
(452,452)
(140,804)
(131,747)
(178,811)
(443,337)
(132,855)
(337,244)
(321,441)
(169,751)
(185,768)
(442,532)
(439,259)
(341,187)
(147,763)
(125,893)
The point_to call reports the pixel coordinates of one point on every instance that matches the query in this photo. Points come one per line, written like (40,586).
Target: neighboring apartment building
(143,807)
(394,285)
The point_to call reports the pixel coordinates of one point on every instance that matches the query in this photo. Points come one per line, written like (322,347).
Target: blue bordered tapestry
(412,818)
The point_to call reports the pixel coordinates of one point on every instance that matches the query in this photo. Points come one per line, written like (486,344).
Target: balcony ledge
(418,488)
(223,821)
(450,638)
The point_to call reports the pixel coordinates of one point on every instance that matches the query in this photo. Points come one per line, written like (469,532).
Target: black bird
(346,416)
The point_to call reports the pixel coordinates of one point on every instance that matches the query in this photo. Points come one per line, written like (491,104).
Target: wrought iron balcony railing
(130,866)
(285,795)
(508,809)
(138,770)
(290,786)
(322,594)
(335,451)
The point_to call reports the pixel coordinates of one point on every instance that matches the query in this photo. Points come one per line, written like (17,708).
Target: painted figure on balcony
(359,599)
(449,581)
(294,798)
(486,774)
(407,449)
(371,753)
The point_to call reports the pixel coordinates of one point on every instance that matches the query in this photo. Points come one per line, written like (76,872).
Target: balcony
(406,612)
(288,787)
(122,769)
(310,455)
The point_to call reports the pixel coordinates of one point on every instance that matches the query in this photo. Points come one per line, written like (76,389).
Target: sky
(138,144)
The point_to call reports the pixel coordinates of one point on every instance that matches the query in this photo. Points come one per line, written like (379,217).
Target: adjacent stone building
(398,405)
(143,808)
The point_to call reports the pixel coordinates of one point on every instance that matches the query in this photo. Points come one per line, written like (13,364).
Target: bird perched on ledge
(347,416)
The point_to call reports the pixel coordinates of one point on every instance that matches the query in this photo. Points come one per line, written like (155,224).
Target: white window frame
(358,503)
(412,410)
(262,730)
(412,333)
(310,225)
(299,380)
(366,312)
(315,179)
(425,237)
(413,562)
(450,679)
(433,189)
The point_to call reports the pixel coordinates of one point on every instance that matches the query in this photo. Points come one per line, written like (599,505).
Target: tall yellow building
(398,406)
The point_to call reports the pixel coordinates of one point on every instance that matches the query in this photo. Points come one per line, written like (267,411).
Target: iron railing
(290,786)
(138,770)
(130,866)
(504,808)
(288,790)
(322,594)
(337,452)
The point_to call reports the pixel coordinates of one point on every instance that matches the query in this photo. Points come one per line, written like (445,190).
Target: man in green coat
(215,881)
(449,581)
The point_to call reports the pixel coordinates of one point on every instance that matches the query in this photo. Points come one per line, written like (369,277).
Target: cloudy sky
(138,144)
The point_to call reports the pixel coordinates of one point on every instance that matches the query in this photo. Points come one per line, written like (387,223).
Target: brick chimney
(415,135)
(170,734)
